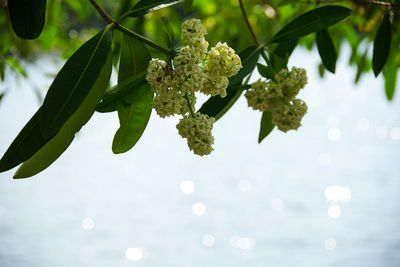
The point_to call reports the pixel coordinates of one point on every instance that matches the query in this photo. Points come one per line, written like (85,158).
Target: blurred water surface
(326,195)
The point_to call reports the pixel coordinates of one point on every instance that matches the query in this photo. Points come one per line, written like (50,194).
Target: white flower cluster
(278,96)
(174,82)
(197,131)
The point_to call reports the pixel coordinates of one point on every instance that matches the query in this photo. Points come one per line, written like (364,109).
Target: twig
(142,38)
(102,13)
(248,23)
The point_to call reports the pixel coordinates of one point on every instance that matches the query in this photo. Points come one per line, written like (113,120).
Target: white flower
(197,131)
(278,97)
(192,30)
(172,102)
(222,61)
(288,117)
(189,78)
(215,85)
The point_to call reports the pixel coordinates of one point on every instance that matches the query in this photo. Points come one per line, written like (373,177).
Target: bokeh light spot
(88,223)
(134,254)
(208,240)
(334,211)
(187,187)
(198,209)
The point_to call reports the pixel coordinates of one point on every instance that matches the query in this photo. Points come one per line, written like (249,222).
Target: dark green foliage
(390,71)
(265,71)
(27,17)
(217,106)
(249,58)
(133,118)
(312,21)
(27,143)
(146,6)
(38,149)
(114,98)
(50,152)
(266,126)
(73,83)
(280,56)
(326,50)
(381,45)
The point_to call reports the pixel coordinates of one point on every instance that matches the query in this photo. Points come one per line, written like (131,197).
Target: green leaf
(146,6)
(187,6)
(390,70)
(113,98)
(326,50)
(361,66)
(73,83)
(390,74)
(266,126)
(381,45)
(321,70)
(170,32)
(27,17)
(133,118)
(217,106)
(312,21)
(60,142)
(26,144)
(50,152)
(280,56)
(265,71)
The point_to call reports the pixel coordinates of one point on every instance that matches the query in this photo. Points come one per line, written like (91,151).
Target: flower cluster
(221,63)
(197,131)
(176,82)
(278,96)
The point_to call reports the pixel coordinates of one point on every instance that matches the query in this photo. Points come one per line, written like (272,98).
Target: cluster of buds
(192,70)
(278,96)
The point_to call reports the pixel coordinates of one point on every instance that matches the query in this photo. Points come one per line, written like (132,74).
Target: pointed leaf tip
(381,45)
(326,50)
(266,126)
(27,17)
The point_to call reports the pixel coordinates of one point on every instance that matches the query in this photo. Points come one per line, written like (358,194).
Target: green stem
(189,104)
(142,38)
(246,19)
(102,13)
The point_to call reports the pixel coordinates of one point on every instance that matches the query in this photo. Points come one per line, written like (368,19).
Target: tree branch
(248,23)
(102,13)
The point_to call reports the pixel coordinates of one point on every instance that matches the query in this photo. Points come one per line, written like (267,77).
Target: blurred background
(325,195)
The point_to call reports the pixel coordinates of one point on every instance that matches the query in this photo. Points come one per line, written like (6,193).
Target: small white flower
(197,131)
(222,61)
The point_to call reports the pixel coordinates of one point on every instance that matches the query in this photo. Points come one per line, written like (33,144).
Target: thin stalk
(189,104)
(142,38)
(246,19)
(107,18)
